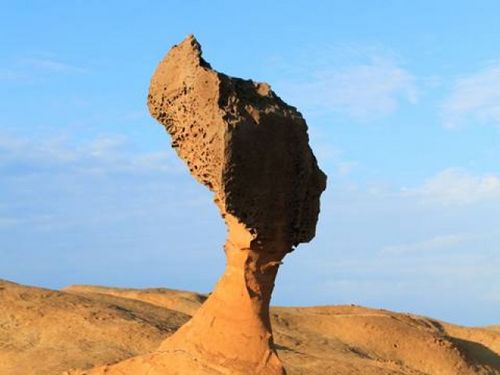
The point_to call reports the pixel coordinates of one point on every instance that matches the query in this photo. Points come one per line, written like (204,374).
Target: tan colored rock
(177,300)
(45,332)
(244,143)
(251,149)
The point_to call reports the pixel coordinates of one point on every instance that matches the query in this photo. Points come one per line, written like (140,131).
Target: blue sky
(403,105)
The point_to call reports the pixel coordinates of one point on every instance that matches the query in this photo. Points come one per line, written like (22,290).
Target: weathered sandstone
(45,332)
(251,150)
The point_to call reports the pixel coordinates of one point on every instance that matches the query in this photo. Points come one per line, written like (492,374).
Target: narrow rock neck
(250,271)
(232,329)
(249,280)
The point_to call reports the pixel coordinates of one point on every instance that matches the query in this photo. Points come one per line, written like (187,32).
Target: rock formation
(251,150)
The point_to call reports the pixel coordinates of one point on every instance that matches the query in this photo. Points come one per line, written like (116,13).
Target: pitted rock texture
(243,142)
(251,150)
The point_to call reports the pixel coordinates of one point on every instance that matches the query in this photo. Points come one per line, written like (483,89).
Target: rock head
(243,142)
(252,151)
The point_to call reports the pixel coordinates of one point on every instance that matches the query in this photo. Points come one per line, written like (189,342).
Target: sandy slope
(357,340)
(178,300)
(494,328)
(47,332)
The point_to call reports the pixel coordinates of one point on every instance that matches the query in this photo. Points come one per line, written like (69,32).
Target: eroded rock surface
(243,142)
(251,150)
(45,332)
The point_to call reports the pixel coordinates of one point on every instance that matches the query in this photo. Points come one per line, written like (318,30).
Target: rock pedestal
(251,150)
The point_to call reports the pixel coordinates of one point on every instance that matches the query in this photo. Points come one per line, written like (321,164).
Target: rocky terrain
(48,332)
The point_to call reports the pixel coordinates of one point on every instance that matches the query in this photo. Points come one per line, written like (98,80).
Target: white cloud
(346,167)
(53,185)
(29,70)
(436,243)
(7,222)
(363,91)
(455,186)
(331,156)
(11,75)
(475,98)
(51,65)
(105,154)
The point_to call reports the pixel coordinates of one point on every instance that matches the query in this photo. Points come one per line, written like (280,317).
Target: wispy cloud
(365,90)
(455,186)
(30,69)
(332,159)
(7,222)
(474,99)
(51,65)
(8,74)
(51,185)
(105,154)
(440,242)
(346,167)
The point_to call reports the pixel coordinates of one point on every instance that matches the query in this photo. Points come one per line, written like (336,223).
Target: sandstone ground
(48,332)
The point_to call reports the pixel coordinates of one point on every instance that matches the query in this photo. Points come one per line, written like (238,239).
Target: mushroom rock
(251,150)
